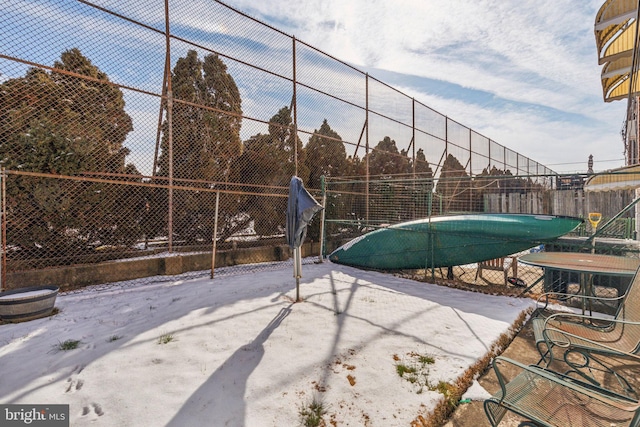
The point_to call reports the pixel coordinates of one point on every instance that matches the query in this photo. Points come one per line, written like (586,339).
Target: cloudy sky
(521,72)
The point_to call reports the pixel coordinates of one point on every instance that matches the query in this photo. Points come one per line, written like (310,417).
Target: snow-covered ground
(238,351)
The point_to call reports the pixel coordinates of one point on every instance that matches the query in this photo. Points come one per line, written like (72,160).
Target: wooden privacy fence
(576,203)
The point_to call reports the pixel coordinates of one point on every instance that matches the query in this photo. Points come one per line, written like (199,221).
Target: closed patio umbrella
(301,208)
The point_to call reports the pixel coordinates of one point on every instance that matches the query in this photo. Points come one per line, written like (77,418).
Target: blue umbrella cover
(300,210)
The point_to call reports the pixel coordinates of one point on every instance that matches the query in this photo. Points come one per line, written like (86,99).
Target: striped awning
(615,32)
(624,178)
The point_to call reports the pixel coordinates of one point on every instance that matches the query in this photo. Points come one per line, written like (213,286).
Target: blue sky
(521,72)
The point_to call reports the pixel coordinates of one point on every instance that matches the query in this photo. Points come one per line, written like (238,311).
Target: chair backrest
(496,263)
(616,337)
(629,309)
(628,335)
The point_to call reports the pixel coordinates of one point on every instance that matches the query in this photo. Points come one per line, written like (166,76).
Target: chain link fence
(159,138)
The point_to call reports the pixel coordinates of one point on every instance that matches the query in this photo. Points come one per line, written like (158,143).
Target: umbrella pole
(297,270)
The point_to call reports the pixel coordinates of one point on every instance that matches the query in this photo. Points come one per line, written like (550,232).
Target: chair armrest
(502,381)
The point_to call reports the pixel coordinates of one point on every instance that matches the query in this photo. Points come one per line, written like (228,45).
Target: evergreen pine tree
(58,123)
(205,142)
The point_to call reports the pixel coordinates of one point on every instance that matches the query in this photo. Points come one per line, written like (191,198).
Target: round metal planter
(19,305)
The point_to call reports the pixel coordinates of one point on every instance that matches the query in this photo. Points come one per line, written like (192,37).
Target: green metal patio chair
(586,336)
(550,399)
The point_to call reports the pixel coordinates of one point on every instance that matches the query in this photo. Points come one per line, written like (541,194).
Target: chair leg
(494,411)
(546,356)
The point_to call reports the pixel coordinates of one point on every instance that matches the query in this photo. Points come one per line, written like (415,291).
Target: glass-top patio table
(584,264)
